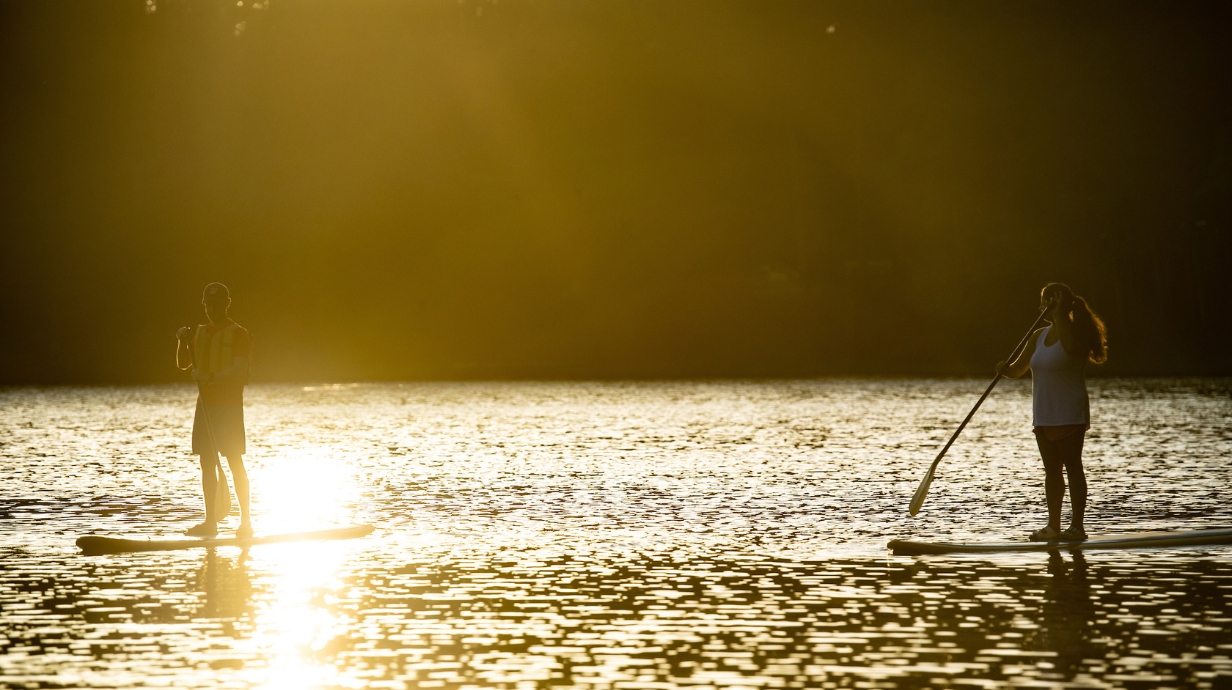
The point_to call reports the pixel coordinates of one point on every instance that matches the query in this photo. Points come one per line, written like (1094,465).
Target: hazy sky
(603,189)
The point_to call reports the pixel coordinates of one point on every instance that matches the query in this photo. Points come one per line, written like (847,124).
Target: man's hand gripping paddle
(921,492)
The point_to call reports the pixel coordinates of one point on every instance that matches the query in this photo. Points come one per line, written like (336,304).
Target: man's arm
(183,353)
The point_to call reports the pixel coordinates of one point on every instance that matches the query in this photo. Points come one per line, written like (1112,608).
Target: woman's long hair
(1088,327)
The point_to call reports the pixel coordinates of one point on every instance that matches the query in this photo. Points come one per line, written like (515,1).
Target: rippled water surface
(596,536)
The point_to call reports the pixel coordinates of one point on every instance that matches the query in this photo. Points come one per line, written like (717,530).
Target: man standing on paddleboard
(219,354)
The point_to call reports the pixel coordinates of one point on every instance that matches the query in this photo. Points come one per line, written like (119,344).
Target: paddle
(921,492)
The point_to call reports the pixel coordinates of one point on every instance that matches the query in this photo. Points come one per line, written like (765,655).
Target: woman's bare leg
(1054,480)
(1072,448)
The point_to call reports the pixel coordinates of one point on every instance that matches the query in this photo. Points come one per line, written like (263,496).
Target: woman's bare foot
(1046,534)
(244,531)
(1074,533)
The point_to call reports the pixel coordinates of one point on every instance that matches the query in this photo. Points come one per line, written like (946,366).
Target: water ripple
(700,535)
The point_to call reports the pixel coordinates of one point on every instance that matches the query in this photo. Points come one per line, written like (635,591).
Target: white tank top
(1058,385)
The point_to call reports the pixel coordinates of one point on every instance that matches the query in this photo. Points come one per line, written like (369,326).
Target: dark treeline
(424,189)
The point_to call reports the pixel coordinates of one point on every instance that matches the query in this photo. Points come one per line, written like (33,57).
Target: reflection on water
(612,536)
(225,583)
(1067,614)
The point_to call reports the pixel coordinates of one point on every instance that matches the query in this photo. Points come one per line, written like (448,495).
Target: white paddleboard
(1147,540)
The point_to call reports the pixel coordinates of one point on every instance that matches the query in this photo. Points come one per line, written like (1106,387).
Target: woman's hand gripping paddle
(921,492)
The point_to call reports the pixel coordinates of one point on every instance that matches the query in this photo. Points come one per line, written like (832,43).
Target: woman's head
(1058,295)
(1088,328)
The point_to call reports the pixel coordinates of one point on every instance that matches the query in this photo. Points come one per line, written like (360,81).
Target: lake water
(613,535)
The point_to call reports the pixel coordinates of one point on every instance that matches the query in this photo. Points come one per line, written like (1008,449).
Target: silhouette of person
(219,354)
(1057,356)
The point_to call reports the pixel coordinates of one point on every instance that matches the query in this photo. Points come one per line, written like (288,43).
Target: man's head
(217,299)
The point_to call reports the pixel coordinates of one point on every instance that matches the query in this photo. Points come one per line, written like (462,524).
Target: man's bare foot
(244,531)
(205,529)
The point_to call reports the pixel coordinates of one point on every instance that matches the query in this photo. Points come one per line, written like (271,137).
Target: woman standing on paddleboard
(1057,356)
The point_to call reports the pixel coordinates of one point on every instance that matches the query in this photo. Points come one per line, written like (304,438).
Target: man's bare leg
(240,475)
(209,486)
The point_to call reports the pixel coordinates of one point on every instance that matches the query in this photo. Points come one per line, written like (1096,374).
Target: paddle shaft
(1013,355)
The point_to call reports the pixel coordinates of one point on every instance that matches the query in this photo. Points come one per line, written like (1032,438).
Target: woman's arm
(1065,331)
(1022,363)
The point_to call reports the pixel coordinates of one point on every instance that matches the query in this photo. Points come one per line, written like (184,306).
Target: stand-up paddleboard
(1147,540)
(94,546)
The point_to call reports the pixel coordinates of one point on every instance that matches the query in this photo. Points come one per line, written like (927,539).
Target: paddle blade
(222,497)
(921,492)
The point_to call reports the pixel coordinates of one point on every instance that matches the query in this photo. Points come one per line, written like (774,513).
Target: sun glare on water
(300,490)
(304,489)
(293,626)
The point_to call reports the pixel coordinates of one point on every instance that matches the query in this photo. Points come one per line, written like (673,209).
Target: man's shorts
(219,429)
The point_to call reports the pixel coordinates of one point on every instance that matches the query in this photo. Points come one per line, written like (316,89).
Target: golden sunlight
(304,489)
(294,627)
